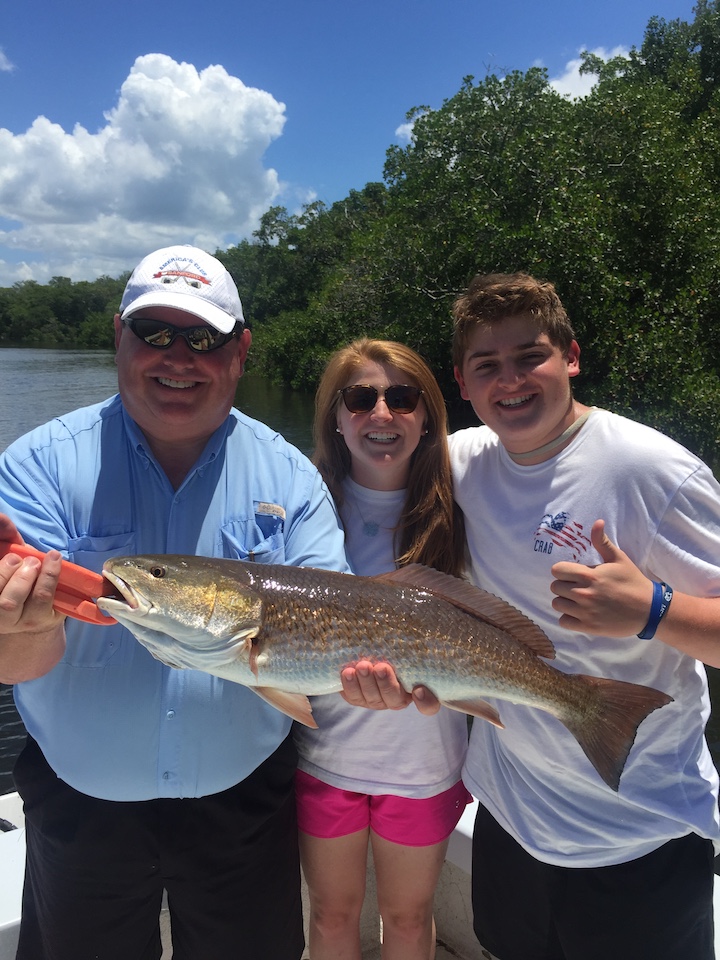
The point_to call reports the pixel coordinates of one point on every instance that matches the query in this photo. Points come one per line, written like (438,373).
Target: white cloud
(571,83)
(404,132)
(180,159)
(5,64)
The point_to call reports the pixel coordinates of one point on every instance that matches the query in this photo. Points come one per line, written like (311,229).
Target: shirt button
(170,714)
(166,775)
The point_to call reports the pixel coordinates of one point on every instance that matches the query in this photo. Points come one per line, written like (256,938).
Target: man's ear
(244,341)
(573,359)
(461,382)
(118,324)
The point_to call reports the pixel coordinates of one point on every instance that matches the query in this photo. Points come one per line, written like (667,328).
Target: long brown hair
(430,529)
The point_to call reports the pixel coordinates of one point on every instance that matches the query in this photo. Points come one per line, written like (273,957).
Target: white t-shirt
(661,505)
(398,752)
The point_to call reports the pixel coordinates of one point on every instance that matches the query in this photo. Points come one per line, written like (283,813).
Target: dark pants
(658,907)
(96,870)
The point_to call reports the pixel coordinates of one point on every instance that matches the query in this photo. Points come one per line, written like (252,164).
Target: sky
(132,126)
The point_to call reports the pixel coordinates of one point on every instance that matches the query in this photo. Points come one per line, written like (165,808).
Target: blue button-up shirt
(112,721)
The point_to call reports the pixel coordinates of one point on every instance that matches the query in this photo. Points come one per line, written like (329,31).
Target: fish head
(187,611)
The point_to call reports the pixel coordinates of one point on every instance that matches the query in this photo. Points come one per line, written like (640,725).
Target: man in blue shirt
(137,777)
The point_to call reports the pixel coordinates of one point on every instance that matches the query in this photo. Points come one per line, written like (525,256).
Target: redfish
(287,633)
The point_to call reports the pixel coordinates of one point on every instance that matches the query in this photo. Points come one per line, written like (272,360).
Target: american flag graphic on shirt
(558,529)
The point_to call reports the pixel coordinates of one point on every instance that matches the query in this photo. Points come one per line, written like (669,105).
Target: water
(37,385)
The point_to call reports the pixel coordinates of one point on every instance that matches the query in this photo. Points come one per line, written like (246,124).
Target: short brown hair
(491,298)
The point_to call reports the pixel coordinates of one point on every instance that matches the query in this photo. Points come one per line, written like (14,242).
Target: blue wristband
(662,595)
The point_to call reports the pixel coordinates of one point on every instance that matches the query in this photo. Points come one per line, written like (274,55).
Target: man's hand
(611,599)
(376,687)
(27,589)
(32,635)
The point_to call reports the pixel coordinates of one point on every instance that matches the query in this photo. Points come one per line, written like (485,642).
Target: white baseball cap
(188,279)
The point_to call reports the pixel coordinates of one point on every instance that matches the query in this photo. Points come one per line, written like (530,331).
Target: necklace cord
(557,442)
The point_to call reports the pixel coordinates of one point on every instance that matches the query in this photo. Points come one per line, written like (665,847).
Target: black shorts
(657,907)
(96,869)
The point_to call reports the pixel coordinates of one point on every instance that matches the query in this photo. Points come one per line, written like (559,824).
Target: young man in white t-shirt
(564,867)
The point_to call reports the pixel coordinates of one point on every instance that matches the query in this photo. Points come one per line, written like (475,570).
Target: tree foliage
(60,313)
(615,197)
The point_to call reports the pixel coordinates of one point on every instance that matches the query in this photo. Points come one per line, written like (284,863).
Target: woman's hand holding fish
(611,599)
(425,701)
(376,687)
(373,686)
(31,632)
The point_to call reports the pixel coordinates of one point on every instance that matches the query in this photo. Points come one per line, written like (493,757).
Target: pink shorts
(328,812)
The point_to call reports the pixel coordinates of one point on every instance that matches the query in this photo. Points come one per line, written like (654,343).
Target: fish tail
(607,727)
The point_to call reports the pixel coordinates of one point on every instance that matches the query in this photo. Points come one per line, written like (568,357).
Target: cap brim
(186,303)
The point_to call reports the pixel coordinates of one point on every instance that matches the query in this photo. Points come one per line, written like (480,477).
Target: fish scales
(408,628)
(287,633)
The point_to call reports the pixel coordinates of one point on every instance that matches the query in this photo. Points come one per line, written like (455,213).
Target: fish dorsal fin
(294,705)
(475,601)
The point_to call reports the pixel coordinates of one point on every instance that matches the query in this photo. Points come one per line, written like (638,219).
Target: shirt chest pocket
(258,539)
(92,552)
(95,646)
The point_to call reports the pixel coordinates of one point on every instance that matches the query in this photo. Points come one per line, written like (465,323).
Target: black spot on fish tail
(607,730)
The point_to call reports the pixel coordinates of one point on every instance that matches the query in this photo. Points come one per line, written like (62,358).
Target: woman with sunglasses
(387,779)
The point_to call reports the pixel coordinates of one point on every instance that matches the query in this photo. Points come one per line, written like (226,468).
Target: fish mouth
(123,596)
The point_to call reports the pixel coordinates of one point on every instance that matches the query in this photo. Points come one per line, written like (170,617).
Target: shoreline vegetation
(614,197)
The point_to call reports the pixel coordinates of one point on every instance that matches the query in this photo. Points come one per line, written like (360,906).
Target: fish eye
(157,572)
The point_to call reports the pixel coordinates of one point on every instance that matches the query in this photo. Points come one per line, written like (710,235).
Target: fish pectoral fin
(476,708)
(294,705)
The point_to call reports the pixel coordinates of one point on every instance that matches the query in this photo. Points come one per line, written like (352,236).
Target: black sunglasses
(400,397)
(161,335)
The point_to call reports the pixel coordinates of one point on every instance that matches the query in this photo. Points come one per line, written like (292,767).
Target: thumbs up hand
(611,598)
